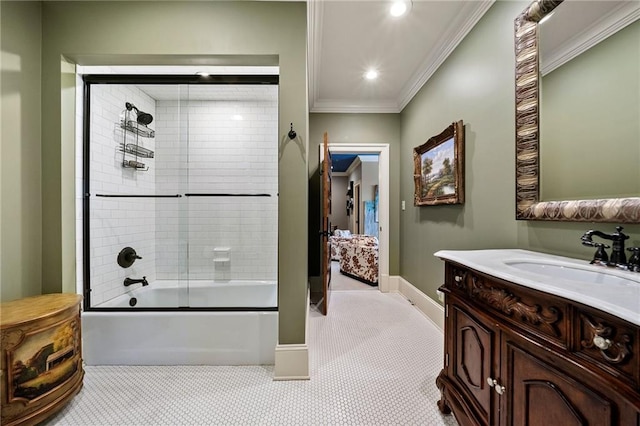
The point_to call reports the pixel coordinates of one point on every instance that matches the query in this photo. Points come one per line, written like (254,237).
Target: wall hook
(292,133)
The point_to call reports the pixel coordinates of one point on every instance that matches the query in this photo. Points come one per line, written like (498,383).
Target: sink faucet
(618,258)
(129,281)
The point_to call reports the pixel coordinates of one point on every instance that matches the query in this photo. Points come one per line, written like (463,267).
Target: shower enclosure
(179,202)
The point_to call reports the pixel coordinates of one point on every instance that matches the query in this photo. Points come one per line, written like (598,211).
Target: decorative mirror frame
(527,79)
(455,132)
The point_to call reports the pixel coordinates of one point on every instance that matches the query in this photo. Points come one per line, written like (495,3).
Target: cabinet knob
(601,342)
(493,383)
(457,278)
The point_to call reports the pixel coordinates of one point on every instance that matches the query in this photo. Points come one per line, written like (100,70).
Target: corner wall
(20,152)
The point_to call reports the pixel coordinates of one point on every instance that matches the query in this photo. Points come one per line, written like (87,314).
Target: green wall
(354,129)
(475,84)
(20,177)
(160,33)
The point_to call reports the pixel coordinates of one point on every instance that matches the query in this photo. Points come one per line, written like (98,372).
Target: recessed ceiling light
(371,75)
(399,7)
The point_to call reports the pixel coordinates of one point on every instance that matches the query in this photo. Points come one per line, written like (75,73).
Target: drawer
(541,314)
(608,342)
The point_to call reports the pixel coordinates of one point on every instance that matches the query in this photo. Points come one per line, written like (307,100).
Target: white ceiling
(348,37)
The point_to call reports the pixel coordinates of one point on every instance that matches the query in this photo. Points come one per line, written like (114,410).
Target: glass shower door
(134,237)
(172,226)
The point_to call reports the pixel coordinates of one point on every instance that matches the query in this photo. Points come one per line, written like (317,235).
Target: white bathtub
(185,337)
(199,294)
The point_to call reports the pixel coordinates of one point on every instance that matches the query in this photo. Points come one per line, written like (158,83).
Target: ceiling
(346,38)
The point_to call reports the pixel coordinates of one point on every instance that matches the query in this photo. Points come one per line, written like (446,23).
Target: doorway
(382,150)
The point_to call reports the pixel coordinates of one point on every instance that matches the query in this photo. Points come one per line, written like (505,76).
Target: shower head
(142,117)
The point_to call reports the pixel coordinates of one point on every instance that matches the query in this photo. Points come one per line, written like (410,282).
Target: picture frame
(439,168)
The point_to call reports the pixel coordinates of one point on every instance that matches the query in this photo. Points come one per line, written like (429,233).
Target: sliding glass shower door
(180,192)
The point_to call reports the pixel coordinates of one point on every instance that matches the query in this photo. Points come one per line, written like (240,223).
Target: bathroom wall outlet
(440,295)
(403,205)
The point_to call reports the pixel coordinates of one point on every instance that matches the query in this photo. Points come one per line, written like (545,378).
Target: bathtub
(128,336)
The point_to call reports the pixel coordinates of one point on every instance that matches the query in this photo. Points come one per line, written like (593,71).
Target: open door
(325,230)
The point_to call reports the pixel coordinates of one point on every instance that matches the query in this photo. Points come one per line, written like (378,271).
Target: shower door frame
(133,79)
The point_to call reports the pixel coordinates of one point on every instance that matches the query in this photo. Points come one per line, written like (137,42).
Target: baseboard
(384,283)
(394,284)
(292,361)
(433,310)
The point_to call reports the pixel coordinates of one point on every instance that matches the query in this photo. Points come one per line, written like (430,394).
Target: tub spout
(129,281)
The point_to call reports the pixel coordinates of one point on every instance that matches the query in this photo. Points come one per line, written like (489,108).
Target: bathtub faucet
(129,281)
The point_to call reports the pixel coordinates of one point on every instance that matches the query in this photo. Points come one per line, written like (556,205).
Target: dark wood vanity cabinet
(518,356)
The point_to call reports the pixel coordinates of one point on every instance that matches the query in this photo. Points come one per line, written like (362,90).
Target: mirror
(590,101)
(625,207)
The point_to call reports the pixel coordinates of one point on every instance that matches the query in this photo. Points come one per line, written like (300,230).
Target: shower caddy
(134,148)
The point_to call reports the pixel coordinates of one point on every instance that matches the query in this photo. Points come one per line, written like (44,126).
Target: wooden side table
(41,357)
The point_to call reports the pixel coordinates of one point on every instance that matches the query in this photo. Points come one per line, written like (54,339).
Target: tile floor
(373,361)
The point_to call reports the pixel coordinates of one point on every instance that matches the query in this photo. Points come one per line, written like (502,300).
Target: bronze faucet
(618,257)
(129,281)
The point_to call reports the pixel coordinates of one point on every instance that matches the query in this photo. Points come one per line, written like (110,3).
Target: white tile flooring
(373,361)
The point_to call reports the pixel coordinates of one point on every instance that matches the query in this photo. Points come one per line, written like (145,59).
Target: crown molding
(592,35)
(354,106)
(468,18)
(353,166)
(315,15)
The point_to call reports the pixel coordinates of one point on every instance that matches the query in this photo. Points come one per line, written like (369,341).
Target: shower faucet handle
(127,256)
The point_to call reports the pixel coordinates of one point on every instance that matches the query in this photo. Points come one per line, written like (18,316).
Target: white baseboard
(394,284)
(384,284)
(292,361)
(432,309)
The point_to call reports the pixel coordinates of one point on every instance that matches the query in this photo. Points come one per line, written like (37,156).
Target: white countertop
(621,298)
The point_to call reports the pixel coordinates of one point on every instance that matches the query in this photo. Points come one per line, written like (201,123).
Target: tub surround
(621,298)
(525,347)
(180,338)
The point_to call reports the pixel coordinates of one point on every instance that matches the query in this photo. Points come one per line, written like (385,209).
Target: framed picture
(439,168)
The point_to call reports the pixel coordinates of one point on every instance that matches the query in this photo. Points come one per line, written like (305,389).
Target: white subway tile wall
(201,146)
(230,147)
(119,222)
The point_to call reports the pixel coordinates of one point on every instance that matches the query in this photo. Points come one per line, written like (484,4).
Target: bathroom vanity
(534,339)
(41,357)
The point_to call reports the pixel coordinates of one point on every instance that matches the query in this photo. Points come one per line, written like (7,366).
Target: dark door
(325,227)
(473,355)
(541,395)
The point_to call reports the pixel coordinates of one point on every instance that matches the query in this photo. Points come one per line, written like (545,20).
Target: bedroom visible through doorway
(360,194)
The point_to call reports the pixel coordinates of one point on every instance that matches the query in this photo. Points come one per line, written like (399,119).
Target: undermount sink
(570,272)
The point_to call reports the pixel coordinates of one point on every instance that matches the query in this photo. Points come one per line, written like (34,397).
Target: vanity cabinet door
(540,394)
(472,363)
